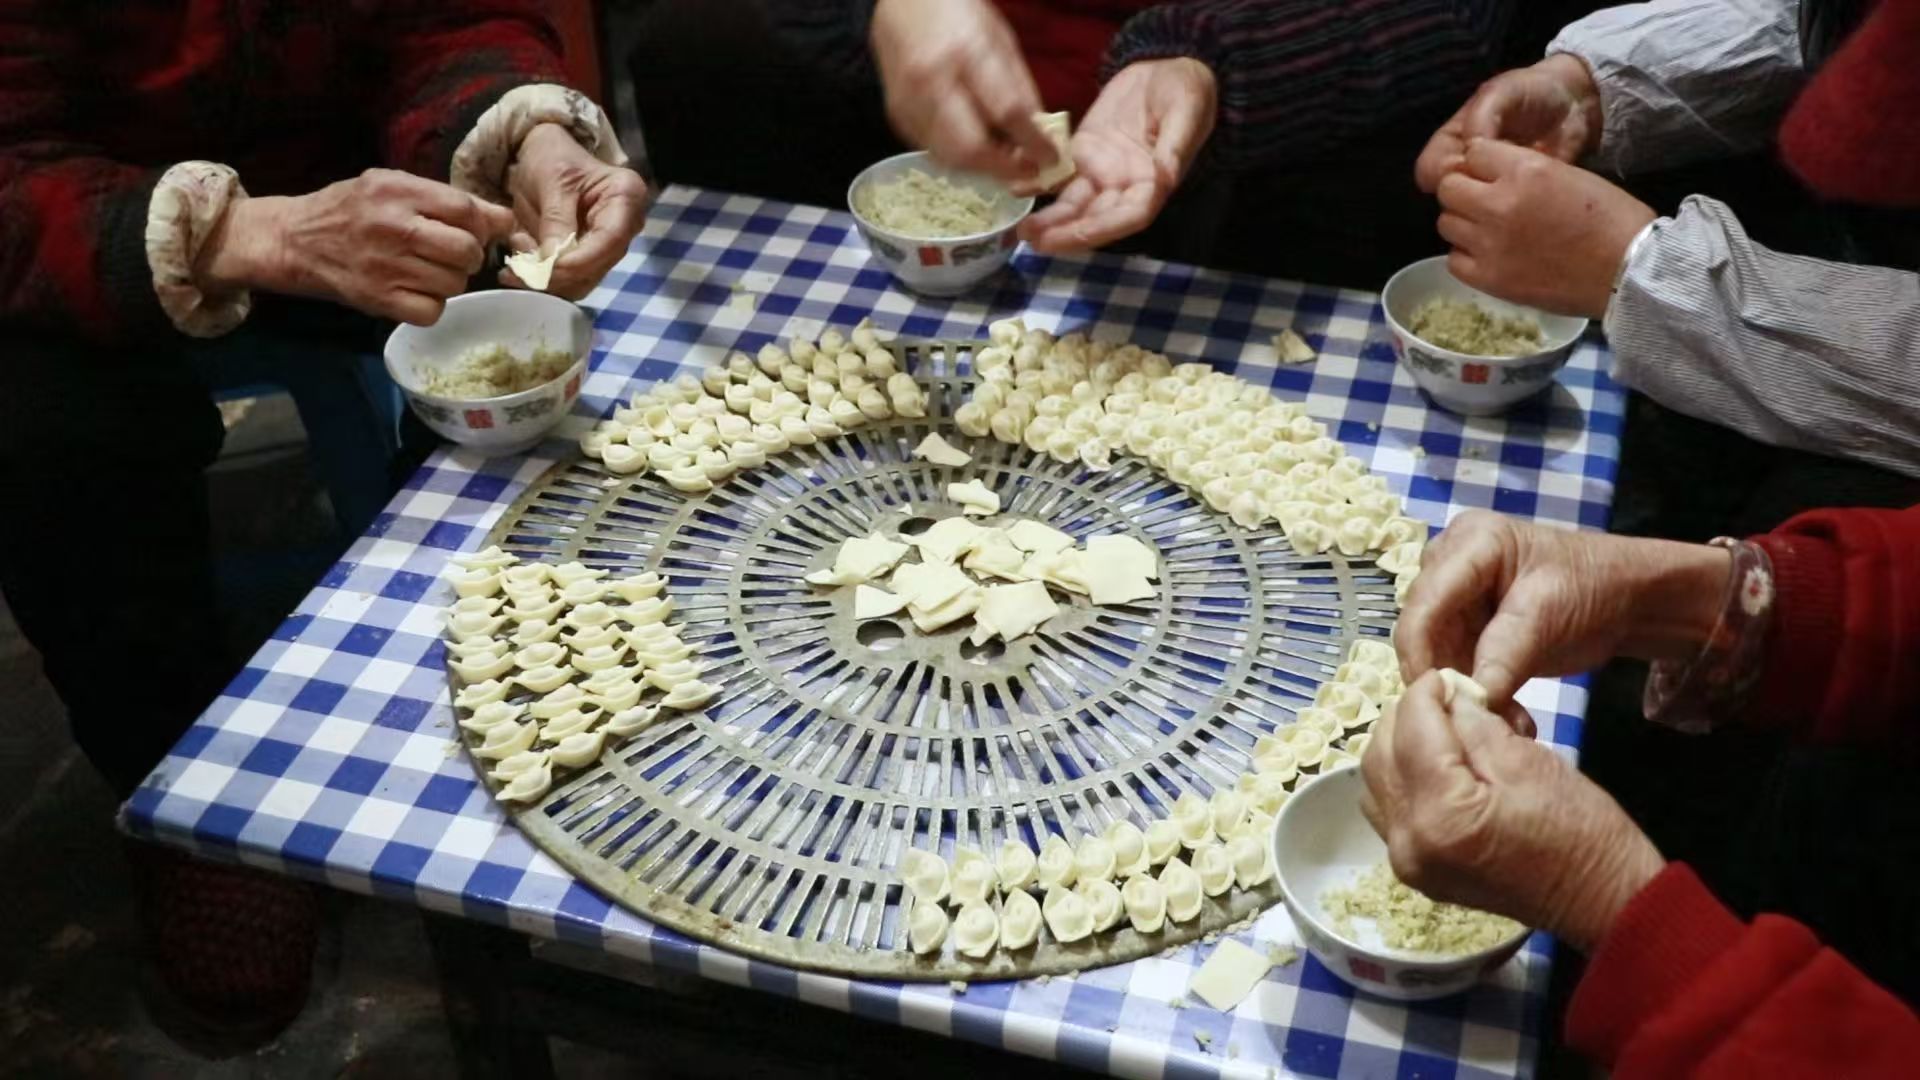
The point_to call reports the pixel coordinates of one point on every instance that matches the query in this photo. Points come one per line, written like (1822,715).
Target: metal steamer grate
(771,822)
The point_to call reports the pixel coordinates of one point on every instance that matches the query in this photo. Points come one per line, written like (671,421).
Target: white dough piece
(1292,348)
(994,554)
(864,558)
(925,875)
(1068,916)
(927,927)
(975,498)
(1126,551)
(1013,611)
(1146,903)
(1454,686)
(976,930)
(875,603)
(1035,537)
(1019,920)
(1058,128)
(535,268)
(1229,975)
(1016,865)
(939,451)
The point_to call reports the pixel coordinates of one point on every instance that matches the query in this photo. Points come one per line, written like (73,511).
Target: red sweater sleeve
(73,254)
(1680,987)
(1843,662)
(445,64)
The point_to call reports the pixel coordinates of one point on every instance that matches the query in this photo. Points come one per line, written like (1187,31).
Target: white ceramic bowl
(1474,385)
(947,266)
(521,320)
(1321,842)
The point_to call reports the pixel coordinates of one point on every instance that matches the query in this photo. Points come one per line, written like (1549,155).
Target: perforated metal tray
(771,822)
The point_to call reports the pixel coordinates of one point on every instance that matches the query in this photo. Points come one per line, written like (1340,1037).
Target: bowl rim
(1563,346)
(1025,205)
(1300,909)
(408,386)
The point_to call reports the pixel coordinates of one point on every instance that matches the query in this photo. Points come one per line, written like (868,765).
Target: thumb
(1509,650)
(1484,738)
(558,219)
(1491,159)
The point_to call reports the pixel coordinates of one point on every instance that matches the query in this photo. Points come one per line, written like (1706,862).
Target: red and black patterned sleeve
(445,64)
(73,221)
(1298,76)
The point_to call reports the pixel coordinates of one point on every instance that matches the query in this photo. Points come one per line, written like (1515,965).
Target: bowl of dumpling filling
(939,231)
(498,370)
(1470,352)
(1361,922)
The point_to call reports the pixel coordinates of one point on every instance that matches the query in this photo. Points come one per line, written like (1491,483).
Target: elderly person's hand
(1534,230)
(387,243)
(559,189)
(1473,813)
(957,85)
(1552,107)
(1507,600)
(1132,149)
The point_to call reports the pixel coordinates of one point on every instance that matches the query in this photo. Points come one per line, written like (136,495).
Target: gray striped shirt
(1789,350)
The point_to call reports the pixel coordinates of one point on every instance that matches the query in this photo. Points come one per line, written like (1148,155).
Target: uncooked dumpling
(1146,903)
(926,928)
(580,749)
(477,649)
(589,615)
(529,786)
(1163,840)
(583,591)
(481,693)
(973,876)
(1102,898)
(637,587)
(571,722)
(690,695)
(541,680)
(1252,861)
(492,714)
(600,658)
(544,654)
(567,573)
(925,875)
(1019,920)
(1056,865)
(1182,887)
(488,558)
(1193,816)
(557,701)
(481,668)
(535,631)
(1068,916)
(506,740)
(1016,865)
(1129,848)
(1229,809)
(594,637)
(1093,859)
(1214,868)
(631,722)
(976,930)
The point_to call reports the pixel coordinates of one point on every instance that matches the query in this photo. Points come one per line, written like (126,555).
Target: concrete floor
(70,974)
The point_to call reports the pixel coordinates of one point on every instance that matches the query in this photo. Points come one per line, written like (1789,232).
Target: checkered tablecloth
(331,755)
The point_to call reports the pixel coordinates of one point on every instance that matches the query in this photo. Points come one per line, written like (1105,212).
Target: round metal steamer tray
(771,822)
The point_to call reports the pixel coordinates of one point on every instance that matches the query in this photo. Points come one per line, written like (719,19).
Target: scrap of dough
(1125,551)
(959,607)
(1229,975)
(1058,128)
(874,603)
(941,452)
(994,554)
(946,540)
(863,558)
(975,498)
(536,270)
(1013,611)
(1293,348)
(1034,537)
(933,586)
(1109,582)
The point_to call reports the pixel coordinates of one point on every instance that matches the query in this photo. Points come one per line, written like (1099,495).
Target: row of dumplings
(696,431)
(1248,455)
(1204,847)
(551,671)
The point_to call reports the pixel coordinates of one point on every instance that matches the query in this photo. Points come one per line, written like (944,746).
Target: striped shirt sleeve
(1298,76)
(1687,80)
(1791,351)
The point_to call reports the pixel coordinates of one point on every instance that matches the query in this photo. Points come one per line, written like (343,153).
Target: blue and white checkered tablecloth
(332,757)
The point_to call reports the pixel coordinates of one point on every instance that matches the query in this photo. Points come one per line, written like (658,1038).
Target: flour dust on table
(988,658)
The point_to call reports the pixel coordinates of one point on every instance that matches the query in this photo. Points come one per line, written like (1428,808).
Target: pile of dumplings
(1204,847)
(1247,454)
(695,432)
(553,662)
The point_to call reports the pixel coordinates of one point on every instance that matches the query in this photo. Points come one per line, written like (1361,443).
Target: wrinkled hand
(1475,814)
(560,189)
(1508,600)
(1537,231)
(957,85)
(1552,107)
(388,243)
(1133,148)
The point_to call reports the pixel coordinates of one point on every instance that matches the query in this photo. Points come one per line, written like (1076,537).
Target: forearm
(1787,350)
(1297,76)
(1687,80)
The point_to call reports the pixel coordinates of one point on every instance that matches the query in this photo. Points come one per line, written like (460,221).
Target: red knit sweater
(1680,987)
(97,100)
